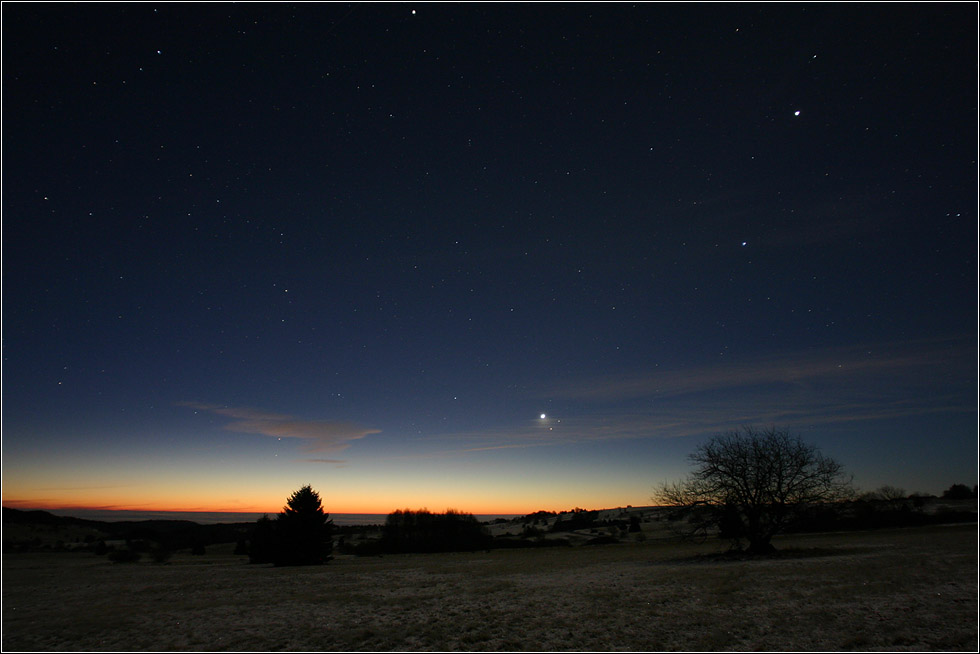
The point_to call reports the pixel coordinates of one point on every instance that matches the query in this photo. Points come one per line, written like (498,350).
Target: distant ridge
(198,517)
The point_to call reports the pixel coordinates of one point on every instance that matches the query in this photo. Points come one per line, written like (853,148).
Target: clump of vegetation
(538,517)
(124,556)
(959,492)
(578,519)
(160,553)
(513,543)
(424,531)
(530,531)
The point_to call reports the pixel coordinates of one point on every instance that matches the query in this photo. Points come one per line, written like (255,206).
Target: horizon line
(331,513)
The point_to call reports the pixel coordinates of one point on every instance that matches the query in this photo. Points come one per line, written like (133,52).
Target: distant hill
(44,530)
(17,516)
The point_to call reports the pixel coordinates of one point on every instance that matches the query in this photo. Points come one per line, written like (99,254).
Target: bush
(160,553)
(512,543)
(531,532)
(368,548)
(579,519)
(124,556)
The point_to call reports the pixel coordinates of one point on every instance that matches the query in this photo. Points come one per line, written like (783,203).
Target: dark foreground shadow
(789,553)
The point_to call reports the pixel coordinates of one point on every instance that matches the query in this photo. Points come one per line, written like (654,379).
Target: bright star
(543,416)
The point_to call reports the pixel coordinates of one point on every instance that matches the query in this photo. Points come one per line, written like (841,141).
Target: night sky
(249,247)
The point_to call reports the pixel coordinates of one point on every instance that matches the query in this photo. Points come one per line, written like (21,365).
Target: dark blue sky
(395,234)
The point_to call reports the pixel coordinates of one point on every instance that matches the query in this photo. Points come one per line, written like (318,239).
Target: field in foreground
(903,589)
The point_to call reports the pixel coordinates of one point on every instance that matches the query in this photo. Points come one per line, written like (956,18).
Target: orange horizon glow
(27,505)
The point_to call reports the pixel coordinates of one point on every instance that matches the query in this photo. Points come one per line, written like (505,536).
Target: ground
(902,589)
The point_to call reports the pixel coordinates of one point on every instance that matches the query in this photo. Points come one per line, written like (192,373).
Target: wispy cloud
(911,364)
(316,435)
(832,386)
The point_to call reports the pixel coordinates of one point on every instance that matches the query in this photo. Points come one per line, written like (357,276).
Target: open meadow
(899,589)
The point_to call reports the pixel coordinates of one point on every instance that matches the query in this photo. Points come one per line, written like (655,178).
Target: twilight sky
(366,246)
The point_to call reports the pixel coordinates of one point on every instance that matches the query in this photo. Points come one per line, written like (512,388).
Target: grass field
(902,589)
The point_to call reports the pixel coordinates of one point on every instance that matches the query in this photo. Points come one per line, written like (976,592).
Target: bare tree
(885,493)
(750,484)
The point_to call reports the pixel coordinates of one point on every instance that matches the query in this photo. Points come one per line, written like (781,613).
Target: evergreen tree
(304,531)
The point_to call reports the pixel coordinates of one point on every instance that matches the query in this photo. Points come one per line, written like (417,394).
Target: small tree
(751,484)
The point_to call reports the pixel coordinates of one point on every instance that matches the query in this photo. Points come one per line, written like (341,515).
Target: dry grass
(912,589)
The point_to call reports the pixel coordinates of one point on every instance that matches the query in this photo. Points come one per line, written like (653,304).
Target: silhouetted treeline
(959,492)
(879,514)
(538,516)
(423,531)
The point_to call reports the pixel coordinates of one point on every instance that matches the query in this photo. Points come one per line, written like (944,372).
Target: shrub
(124,556)
(160,553)
(368,548)
(512,543)
(531,532)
